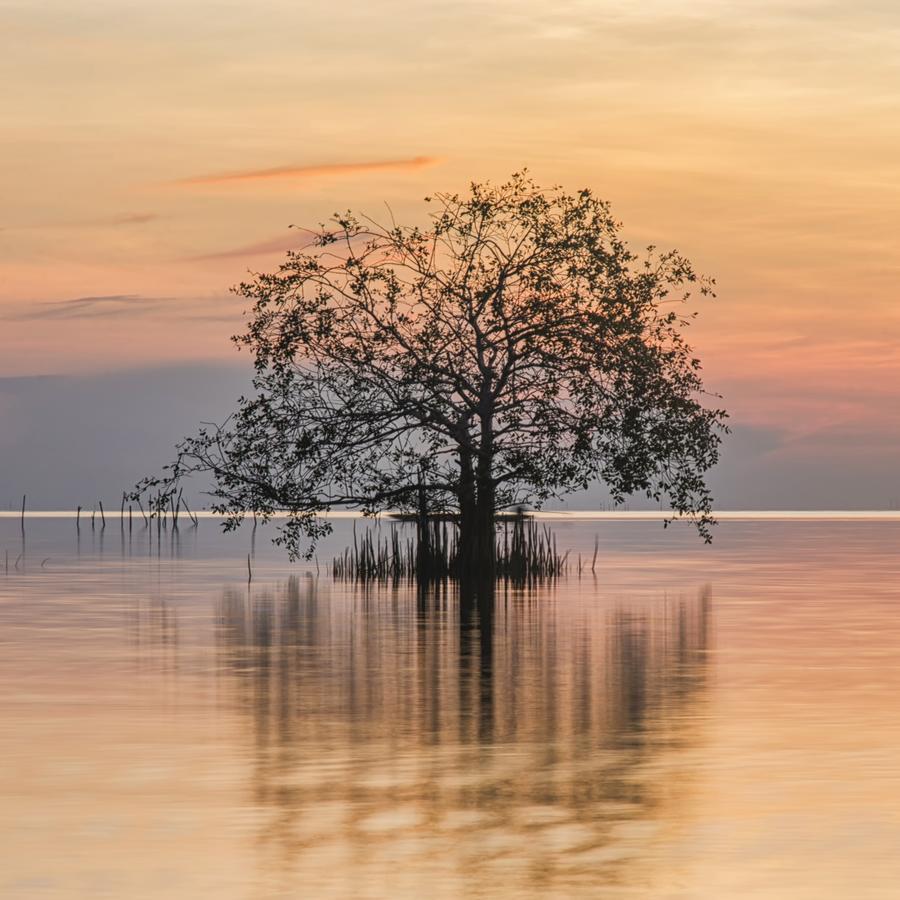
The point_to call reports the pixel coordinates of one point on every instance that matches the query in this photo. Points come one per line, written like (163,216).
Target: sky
(153,153)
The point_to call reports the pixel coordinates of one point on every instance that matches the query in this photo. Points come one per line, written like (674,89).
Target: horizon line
(575,515)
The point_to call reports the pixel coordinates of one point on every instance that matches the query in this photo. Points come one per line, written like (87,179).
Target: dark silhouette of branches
(513,350)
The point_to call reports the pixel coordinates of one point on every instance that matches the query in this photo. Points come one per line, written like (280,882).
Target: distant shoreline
(556,515)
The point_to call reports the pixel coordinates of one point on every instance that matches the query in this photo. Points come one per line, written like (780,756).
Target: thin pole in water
(184,504)
(102,515)
(23,512)
(249,570)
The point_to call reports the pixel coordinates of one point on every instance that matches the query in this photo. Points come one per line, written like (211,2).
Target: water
(690,722)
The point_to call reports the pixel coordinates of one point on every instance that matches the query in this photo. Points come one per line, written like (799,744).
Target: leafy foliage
(512,351)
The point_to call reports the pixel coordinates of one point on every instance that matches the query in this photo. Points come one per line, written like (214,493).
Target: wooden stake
(187,509)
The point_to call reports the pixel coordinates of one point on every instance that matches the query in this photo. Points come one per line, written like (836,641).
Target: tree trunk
(485,547)
(484,563)
(424,556)
(477,539)
(466,499)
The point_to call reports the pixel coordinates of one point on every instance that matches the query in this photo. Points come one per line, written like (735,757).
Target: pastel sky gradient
(154,152)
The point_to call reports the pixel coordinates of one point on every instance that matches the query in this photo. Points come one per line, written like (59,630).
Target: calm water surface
(687,722)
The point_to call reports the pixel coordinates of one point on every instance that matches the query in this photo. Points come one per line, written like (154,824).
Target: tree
(512,351)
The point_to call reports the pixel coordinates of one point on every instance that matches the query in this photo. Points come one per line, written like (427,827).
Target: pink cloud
(292,173)
(260,248)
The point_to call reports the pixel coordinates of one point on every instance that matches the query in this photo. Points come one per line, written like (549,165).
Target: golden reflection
(624,737)
(399,736)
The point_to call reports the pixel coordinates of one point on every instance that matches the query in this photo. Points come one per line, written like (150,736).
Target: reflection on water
(390,729)
(692,724)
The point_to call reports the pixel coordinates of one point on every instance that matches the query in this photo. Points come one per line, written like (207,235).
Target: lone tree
(511,351)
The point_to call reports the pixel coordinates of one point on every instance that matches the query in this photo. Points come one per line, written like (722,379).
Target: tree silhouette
(512,351)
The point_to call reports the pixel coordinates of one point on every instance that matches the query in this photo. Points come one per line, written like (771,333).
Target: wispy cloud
(115,221)
(280,244)
(138,218)
(293,172)
(87,307)
(212,308)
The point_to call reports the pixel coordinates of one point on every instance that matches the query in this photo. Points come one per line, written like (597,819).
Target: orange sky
(154,152)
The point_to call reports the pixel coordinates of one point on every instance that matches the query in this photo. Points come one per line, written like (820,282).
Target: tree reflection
(390,722)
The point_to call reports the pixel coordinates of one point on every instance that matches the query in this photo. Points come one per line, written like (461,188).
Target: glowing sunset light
(164,150)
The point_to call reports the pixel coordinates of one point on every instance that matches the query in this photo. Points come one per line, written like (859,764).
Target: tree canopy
(512,350)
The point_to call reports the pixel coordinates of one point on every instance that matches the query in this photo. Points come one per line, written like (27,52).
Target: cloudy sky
(154,152)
